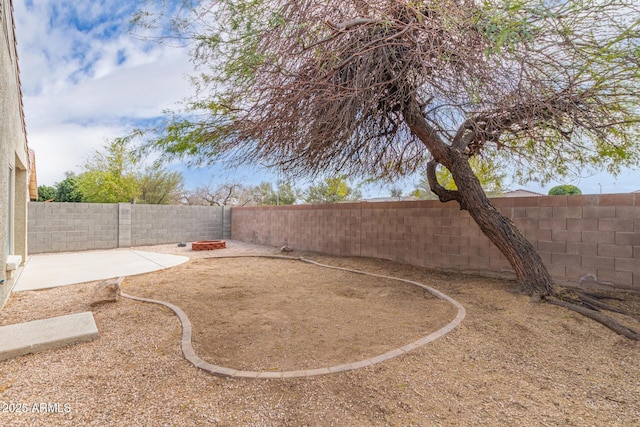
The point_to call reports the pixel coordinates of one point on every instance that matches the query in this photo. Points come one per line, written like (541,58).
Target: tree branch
(426,134)
(462,138)
(226,199)
(344,26)
(443,194)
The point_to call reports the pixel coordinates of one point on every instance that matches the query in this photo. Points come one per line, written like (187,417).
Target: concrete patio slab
(53,270)
(46,334)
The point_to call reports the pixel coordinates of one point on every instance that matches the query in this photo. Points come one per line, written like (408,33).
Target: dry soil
(509,363)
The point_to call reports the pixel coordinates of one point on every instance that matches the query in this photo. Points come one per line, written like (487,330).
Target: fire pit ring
(208,245)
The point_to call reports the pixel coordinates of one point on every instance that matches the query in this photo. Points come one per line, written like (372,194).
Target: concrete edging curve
(192,357)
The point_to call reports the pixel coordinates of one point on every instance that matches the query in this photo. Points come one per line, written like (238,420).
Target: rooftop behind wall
(581,239)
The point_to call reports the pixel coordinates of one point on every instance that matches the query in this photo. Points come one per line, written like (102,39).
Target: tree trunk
(531,273)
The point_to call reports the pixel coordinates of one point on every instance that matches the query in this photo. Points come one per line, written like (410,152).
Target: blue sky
(85,80)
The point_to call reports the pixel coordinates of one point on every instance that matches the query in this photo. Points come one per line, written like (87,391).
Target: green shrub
(564,190)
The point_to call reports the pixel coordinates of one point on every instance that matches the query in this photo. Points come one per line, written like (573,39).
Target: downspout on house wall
(33,182)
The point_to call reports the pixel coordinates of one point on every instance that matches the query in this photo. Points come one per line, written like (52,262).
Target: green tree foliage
(46,192)
(396,193)
(69,189)
(284,194)
(112,175)
(564,190)
(66,190)
(109,175)
(159,186)
(331,190)
(288,194)
(488,172)
(264,194)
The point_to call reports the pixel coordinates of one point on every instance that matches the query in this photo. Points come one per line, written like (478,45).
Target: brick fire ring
(208,245)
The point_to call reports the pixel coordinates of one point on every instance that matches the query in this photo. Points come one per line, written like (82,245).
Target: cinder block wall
(157,224)
(580,238)
(60,227)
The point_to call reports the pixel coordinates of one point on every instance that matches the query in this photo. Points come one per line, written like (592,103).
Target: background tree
(226,194)
(109,175)
(66,190)
(564,190)
(331,190)
(284,194)
(264,194)
(488,173)
(191,197)
(113,175)
(46,192)
(396,193)
(159,186)
(374,87)
(288,194)
(69,190)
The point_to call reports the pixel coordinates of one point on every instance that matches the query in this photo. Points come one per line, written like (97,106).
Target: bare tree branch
(374,88)
(443,194)
(350,24)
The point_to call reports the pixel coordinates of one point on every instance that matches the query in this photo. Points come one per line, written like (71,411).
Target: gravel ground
(509,363)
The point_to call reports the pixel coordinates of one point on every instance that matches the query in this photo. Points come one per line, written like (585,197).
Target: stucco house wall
(14,158)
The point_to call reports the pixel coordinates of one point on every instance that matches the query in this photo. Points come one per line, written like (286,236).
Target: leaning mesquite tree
(375,87)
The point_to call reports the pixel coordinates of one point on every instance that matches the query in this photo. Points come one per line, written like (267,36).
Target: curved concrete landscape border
(191,356)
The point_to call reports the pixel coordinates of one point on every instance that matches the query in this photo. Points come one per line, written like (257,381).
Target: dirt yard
(260,314)
(509,362)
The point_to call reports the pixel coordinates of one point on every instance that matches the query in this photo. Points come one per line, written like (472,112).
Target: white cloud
(66,147)
(138,92)
(85,79)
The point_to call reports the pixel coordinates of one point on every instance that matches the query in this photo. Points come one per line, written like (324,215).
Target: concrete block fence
(62,227)
(581,239)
